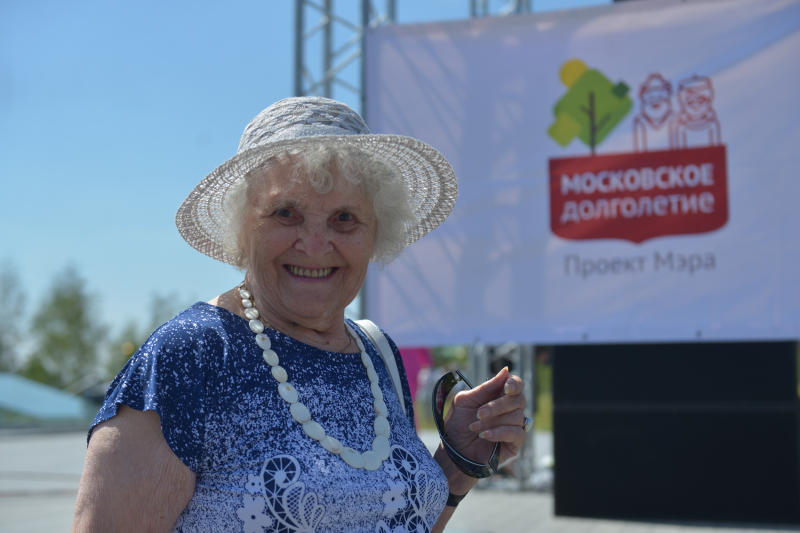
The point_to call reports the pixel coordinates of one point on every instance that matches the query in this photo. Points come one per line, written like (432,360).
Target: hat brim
(428,176)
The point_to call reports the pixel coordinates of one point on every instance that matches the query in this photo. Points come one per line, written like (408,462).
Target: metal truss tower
(329,41)
(486,8)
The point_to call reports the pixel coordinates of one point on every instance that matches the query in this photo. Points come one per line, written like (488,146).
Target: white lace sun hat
(289,125)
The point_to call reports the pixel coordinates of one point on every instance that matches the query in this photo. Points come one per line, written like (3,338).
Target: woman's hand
(491,412)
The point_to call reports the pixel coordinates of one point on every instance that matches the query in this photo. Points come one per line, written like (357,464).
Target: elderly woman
(265,409)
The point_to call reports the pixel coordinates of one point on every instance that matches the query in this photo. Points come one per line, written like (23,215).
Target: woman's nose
(313,240)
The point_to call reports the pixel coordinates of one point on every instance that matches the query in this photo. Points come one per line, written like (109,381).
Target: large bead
(331,444)
(352,457)
(271,358)
(380,407)
(365,360)
(244,293)
(287,392)
(263,341)
(314,430)
(300,412)
(251,313)
(371,460)
(279,373)
(382,426)
(246,303)
(380,445)
(256,326)
(376,390)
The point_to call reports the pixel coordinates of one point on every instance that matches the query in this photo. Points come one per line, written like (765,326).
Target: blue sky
(111,112)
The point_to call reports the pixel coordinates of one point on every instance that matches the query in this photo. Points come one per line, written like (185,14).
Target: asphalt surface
(39,474)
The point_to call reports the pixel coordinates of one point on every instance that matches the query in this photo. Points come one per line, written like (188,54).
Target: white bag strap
(379,339)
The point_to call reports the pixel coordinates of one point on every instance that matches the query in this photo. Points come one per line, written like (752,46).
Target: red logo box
(639,196)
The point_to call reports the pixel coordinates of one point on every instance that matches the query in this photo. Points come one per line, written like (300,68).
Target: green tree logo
(591,108)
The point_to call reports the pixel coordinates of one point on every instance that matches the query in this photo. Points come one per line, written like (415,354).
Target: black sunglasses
(444,392)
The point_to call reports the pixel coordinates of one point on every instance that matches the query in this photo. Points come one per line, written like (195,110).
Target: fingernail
(483,412)
(484,434)
(474,426)
(507,387)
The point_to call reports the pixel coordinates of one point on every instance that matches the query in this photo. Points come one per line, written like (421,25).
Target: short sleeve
(166,376)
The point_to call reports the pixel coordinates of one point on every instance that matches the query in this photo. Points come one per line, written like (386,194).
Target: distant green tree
(121,347)
(36,370)
(12,311)
(131,337)
(66,333)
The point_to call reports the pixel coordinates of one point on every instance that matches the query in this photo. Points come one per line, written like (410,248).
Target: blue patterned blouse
(256,470)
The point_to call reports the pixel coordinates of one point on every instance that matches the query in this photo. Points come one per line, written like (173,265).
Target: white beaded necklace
(368,460)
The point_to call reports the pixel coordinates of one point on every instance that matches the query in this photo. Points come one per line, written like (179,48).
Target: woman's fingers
(501,385)
(511,419)
(492,412)
(510,434)
(500,406)
(507,429)
(485,392)
(514,385)
(501,419)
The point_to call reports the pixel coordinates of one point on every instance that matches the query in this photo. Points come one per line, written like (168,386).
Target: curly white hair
(381,183)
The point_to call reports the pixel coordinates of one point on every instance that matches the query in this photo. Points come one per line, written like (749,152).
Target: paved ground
(39,475)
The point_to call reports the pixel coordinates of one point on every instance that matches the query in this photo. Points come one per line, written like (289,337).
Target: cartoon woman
(696,124)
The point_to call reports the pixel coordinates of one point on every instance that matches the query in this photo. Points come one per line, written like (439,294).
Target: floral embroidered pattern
(410,497)
(252,515)
(279,491)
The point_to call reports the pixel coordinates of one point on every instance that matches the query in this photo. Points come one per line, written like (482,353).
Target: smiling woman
(306,252)
(264,409)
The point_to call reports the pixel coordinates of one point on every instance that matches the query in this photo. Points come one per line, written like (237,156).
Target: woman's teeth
(310,272)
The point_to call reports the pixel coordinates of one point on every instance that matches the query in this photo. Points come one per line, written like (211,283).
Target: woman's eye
(344,220)
(285,214)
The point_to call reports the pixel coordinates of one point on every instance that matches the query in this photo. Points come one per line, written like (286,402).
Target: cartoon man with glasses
(651,124)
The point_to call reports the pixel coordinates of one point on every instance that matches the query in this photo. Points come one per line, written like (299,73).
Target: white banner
(626,173)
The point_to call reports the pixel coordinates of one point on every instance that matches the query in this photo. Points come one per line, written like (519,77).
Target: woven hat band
(294,118)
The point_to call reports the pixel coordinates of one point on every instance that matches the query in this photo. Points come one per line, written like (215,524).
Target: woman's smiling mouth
(315,273)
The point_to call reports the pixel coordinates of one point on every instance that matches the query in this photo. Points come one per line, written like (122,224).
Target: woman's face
(307,252)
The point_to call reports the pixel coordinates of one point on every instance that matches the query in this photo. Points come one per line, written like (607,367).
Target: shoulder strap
(379,339)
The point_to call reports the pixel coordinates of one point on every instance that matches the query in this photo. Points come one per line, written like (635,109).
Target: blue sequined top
(256,470)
